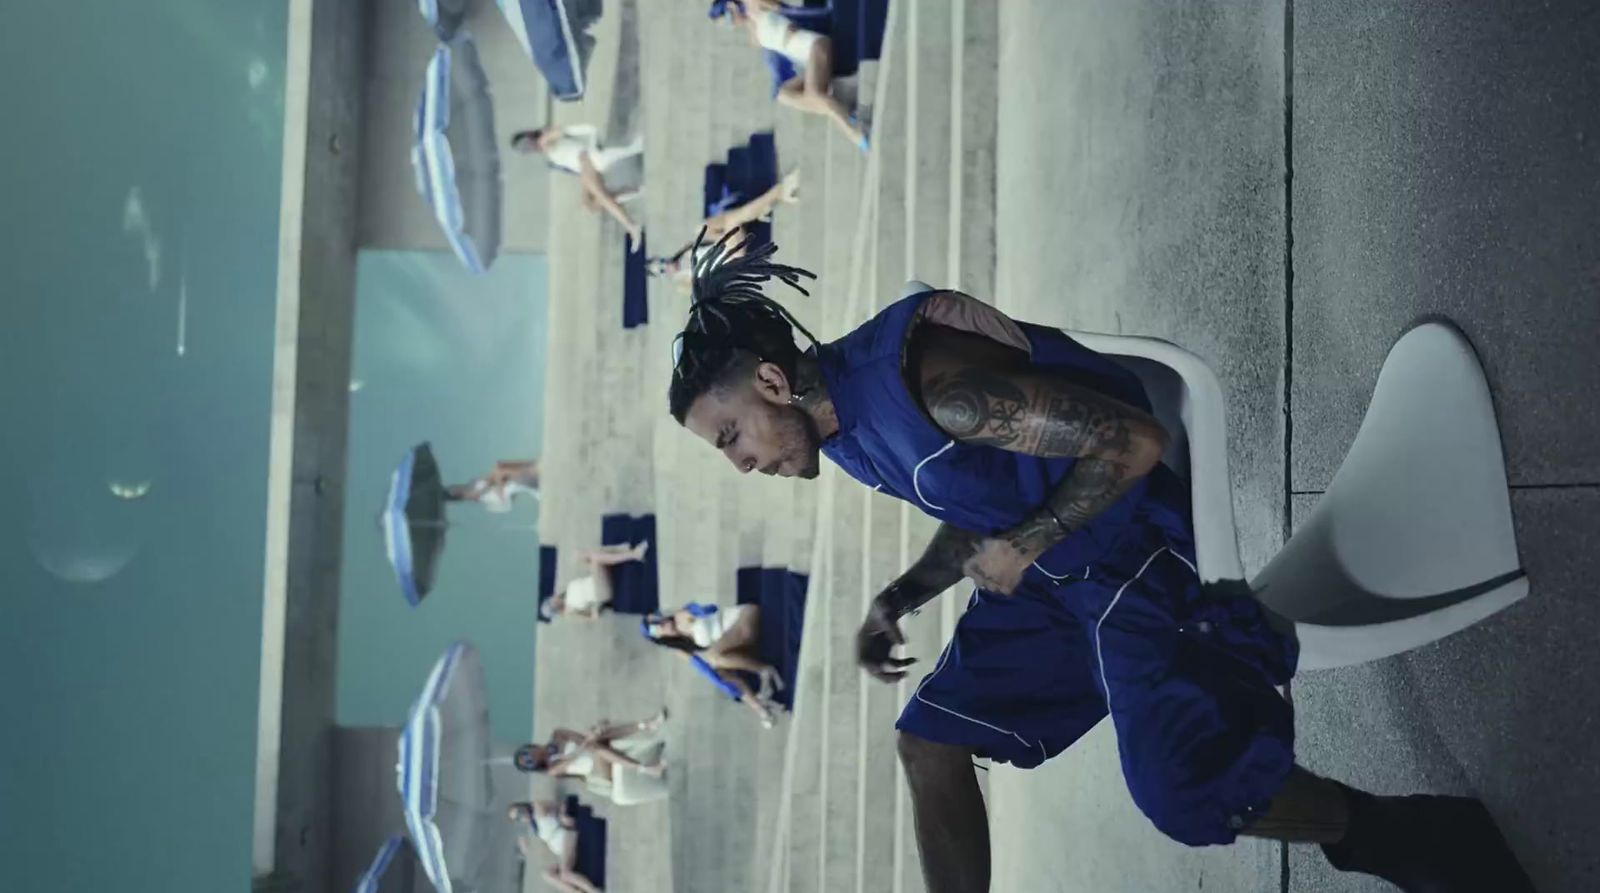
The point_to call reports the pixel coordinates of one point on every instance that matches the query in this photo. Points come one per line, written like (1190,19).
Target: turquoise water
(457,360)
(141,172)
(141,165)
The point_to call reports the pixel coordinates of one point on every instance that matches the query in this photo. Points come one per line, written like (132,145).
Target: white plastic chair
(1413,539)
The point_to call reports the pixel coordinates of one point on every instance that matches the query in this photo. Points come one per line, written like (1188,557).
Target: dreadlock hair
(732,321)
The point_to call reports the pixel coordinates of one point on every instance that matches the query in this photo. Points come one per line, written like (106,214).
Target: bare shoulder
(953,374)
(981,391)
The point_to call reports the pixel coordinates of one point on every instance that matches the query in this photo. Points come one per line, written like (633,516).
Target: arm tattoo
(1048,419)
(1044,417)
(1088,489)
(989,398)
(939,568)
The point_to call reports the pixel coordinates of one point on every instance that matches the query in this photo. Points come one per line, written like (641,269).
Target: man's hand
(879,634)
(998,565)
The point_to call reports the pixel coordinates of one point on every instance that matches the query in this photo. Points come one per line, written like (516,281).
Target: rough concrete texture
(1071,825)
(1444,163)
(1140,191)
(613,449)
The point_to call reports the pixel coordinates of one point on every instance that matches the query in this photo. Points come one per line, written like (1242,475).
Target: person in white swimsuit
(679,267)
(587,596)
(544,821)
(608,176)
(724,636)
(811,90)
(497,490)
(619,762)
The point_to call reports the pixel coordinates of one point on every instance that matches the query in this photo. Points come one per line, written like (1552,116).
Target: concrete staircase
(847,821)
(817,804)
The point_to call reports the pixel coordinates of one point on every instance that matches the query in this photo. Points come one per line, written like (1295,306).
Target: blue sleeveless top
(887,441)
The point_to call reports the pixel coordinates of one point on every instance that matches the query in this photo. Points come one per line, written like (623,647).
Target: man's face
(753,424)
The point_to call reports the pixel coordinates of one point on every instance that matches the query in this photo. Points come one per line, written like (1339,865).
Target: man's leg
(1207,744)
(952,826)
(1307,809)
(1419,843)
(1015,684)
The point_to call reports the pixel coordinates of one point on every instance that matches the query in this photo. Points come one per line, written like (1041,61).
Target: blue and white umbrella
(445,787)
(413,522)
(454,154)
(393,869)
(553,32)
(443,16)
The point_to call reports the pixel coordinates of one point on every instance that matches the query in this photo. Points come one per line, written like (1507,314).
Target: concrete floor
(1443,160)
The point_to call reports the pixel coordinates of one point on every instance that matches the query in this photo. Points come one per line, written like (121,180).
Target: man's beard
(801,442)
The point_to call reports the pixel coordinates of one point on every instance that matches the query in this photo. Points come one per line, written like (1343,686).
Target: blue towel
(591,862)
(781,595)
(547,576)
(749,171)
(634,585)
(635,293)
(857,33)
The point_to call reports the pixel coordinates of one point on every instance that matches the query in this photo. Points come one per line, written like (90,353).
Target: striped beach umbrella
(553,34)
(454,153)
(443,774)
(393,869)
(413,522)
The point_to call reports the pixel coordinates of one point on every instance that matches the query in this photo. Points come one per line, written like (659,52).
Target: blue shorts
(1188,677)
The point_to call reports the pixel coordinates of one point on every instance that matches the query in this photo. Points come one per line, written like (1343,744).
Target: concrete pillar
(305,498)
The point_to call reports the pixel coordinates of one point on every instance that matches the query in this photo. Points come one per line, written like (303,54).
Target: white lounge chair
(1413,539)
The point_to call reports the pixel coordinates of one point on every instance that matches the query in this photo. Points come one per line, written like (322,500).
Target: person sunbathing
(724,639)
(621,763)
(497,490)
(811,54)
(590,595)
(679,266)
(608,176)
(545,822)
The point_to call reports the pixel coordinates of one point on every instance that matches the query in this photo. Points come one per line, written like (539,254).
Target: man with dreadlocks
(1042,461)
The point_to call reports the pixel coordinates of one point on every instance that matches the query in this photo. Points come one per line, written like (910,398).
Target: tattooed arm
(979,391)
(941,566)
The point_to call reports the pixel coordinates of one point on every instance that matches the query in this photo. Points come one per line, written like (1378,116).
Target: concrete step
(813,805)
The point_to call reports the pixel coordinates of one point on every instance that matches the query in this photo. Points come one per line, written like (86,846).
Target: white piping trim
(1084,575)
(1099,657)
(1050,575)
(1188,563)
(929,678)
(916,485)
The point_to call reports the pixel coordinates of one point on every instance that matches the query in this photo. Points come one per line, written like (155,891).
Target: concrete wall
(393,216)
(310,403)
(354,68)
